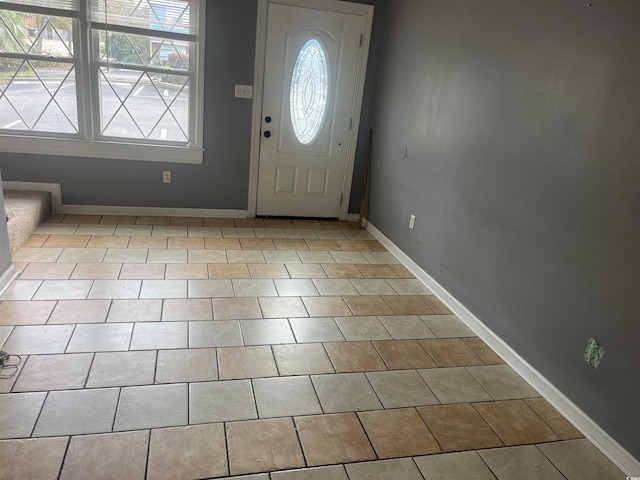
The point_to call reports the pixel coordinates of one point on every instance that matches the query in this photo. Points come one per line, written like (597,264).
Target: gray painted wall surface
(5,250)
(221,182)
(522,122)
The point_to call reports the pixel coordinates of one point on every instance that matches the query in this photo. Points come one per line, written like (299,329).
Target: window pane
(35,34)
(41,96)
(143,50)
(142,105)
(309,90)
(163,15)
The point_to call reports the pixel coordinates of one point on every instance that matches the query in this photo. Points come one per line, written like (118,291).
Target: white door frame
(258,85)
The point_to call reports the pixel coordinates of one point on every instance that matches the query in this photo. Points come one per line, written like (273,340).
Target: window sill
(100,149)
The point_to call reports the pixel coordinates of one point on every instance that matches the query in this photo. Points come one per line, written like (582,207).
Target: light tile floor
(161,347)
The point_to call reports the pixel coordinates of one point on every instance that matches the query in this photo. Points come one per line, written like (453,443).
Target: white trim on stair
(591,430)
(53,188)
(150,211)
(7,279)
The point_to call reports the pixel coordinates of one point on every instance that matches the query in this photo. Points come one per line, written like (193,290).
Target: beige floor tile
(335,270)
(204,232)
(221,401)
(369,305)
(236,308)
(448,326)
(269,270)
(377,271)
(332,472)
(195,243)
(352,245)
(459,427)
(228,270)
(334,286)
(515,422)
(554,419)
(285,396)
(54,218)
(334,225)
(453,466)
(401,388)
(96,271)
(181,366)
(246,362)
(398,433)
(169,231)
(278,223)
(187,221)
(306,224)
(133,230)
(300,233)
(67,241)
(190,271)
(302,359)
(326,307)
(133,271)
(94,229)
(290,244)
(222,244)
(282,307)
(122,369)
(436,305)
(238,232)
(405,327)
(80,311)
(108,456)
(135,311)
(197,451)
(74,218)
(354,357)
(579,459)
(153,220)
(38,458)
(187,309)
(403,354)
(257,244)
(108,241)
(263,446)
(316,330)
(375,245)
(345,392)
(502,382)
(313,244)
(481,349)
(161,288)
(334,438)
(362,328)
(35,240)
(25,313)
(305,271)
(295,287)
(218,222)
(33,254)
(118,219)
(281,256)
(450,352)
(245,256)
(268,331)
(408,305)
(249,222)
(454,385)
(54,372)
(47,271)
(523,463)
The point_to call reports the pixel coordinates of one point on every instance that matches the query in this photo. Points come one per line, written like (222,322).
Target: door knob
(267,134)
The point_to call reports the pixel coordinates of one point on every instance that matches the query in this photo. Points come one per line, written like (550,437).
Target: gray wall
(221,182)
(5,249)
(522,122)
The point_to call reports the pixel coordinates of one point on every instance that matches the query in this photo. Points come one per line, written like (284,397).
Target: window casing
(103,78)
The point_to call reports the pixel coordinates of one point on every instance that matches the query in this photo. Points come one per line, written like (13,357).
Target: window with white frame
(102,72)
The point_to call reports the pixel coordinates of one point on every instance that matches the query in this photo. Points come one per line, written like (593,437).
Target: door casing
(258,85)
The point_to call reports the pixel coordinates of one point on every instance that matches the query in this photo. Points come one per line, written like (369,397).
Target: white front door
(312,89)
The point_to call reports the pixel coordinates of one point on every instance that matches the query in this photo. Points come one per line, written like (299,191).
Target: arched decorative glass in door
(309,91)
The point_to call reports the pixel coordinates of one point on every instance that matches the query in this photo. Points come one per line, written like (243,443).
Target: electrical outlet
(412,221)
(244,91)
(166,176)
(593,353)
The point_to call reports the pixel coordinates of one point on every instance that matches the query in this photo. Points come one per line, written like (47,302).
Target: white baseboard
(7,278)
(591,430)
(53,188)
(149,211)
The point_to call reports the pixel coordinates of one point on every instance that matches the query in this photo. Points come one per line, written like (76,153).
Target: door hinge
(360,39)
